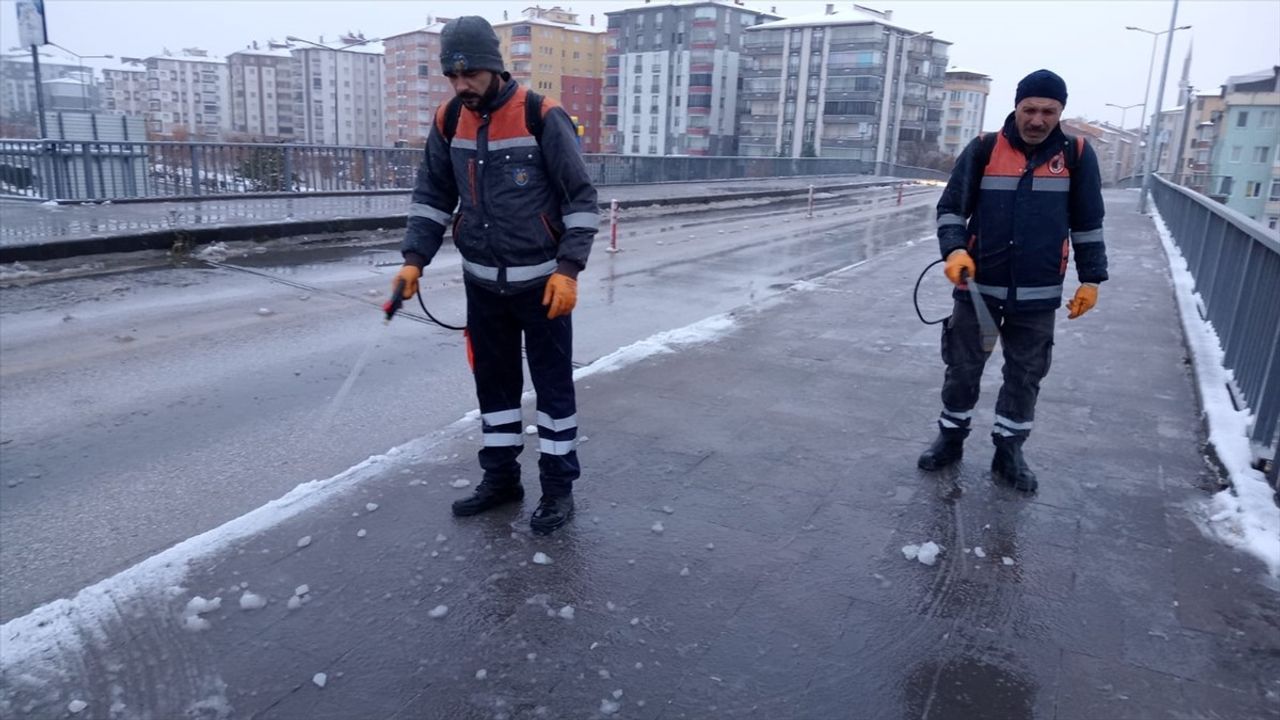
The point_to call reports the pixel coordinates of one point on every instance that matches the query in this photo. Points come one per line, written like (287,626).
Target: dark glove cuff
(569,269)
(414,259)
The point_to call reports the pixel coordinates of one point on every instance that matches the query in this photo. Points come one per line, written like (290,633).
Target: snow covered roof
(267,49)
(965,71)
(838,18)
(188,56)
(594,30)
(66,81)
(137,65)
(691,3)
(48,56)
(371,47)
(434,28)
(1252,77)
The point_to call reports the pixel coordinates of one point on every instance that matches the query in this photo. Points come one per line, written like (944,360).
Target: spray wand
(392,306)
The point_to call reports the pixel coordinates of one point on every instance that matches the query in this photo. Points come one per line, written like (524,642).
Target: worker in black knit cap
(1018,201)
(508,160)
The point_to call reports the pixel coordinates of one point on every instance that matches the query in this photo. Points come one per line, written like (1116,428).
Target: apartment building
(415,85)
(339,92)
(1206,110)
(1116,148)
(964,109)
(18,86)
(262,88)
(672,76)
(847,84)
(550,52)
(1248,138)
(124,87)
(186,95)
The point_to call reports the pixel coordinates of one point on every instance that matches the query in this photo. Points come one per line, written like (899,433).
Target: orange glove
(409,274)
(1086,297)
(561,295)
(959,260)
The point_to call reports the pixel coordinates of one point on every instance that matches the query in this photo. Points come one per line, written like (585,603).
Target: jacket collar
(1047,149)
(508,91)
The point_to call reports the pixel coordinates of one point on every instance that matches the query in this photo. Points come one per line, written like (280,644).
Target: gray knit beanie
(469,43)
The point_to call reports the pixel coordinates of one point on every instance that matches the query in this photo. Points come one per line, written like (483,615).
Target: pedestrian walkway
(25,222)
(737,550)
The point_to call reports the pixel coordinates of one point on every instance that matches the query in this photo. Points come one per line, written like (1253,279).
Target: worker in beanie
(508,160)
(1017,202)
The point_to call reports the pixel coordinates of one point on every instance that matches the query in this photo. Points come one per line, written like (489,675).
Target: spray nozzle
(392,306)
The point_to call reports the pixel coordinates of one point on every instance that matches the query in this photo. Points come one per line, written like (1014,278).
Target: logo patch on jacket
(520,176)
(1057,164)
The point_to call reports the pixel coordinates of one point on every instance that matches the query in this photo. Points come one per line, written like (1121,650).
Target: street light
(1124,109)
(902,83)
(337,140)
(1148,168)
(1155,37)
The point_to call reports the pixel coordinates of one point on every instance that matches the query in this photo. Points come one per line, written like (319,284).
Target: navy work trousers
(1027,339)
(496,322)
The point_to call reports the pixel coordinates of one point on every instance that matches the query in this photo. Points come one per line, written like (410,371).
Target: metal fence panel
(1235,262)
(108,170)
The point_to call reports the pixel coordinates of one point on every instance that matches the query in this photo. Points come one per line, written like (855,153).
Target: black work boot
(1010,467)
(489,494)
(946,449)
(553,511)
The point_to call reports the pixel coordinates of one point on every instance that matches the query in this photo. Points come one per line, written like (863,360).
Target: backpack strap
(533,114)
(1074,151)
(451,114)
(985,149)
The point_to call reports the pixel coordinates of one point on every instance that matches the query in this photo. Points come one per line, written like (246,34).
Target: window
(1268,119)
(1273,221)
(1242,120)
(1275,191)
(1236,152)
(1260,154)
(1252,189)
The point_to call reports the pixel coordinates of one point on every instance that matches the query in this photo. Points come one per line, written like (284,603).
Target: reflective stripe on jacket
(523,206)
(1020,215)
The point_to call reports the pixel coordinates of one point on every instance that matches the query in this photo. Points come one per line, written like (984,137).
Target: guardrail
(1236,265)
(95,171)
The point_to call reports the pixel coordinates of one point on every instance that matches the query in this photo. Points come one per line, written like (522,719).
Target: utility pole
(35,70)
(1155,125)
(1155,36)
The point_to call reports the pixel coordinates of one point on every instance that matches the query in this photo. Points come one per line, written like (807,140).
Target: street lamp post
(902,86)
(1155,36)
(1124,109)
(337,140)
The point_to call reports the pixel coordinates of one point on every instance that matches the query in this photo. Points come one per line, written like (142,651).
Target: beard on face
(475,100)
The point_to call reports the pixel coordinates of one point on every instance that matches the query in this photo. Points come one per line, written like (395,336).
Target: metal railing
(1236,265)
(97,171)
(93,170)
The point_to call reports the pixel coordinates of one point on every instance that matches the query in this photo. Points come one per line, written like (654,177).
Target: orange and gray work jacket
(1020,213)
(525,205)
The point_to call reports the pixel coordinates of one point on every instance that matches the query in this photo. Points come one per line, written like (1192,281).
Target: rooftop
(838,18)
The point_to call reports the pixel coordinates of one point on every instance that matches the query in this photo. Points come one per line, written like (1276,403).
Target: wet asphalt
(779,459)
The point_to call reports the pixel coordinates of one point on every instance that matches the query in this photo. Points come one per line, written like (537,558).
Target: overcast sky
(1082,40)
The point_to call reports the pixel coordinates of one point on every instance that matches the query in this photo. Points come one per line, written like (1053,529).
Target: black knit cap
(469,43)
(1042,84)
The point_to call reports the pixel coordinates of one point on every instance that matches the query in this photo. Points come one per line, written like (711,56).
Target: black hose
(915,296)
(446,326)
